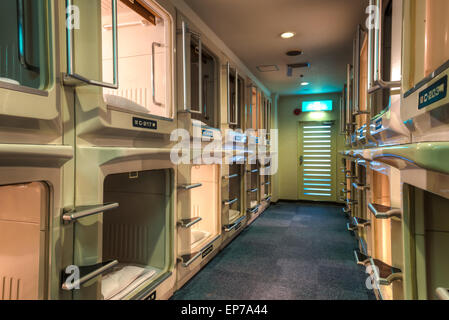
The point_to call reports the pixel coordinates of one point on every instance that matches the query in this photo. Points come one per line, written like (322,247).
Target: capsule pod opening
(199,219)
(253,187)
(143,32)
(24,219)
(426,250)
(120,59)
(204,205)
(234,193)
(426,69)
(138,233)
(385,242)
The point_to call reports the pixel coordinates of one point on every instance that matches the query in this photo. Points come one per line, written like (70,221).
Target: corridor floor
(294,251)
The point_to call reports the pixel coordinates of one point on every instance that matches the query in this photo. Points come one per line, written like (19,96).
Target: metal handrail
(391,213)
(228,72)
(184,69)
(356,68)
(229,202)
(253,210)
(22,39)
(153,64)
(379,83)
(82,212)
(233,226)
(190,186)
(187,223)
(232,176)
(187,263)
(360,187)
(78,282)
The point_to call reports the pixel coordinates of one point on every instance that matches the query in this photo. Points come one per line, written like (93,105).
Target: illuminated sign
(313,106)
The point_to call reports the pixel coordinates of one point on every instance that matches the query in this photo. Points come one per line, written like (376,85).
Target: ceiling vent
(268,68)
(292,66)
(293,53)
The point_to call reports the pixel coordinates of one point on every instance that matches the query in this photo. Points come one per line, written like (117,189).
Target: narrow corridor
(293,251)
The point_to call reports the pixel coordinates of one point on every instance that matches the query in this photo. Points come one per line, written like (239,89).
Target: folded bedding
(123,279)
(197,236)
(233,214)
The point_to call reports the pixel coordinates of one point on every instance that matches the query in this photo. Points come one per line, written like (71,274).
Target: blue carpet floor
(292,252)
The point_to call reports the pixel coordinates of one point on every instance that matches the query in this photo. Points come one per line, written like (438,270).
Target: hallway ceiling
(324,32)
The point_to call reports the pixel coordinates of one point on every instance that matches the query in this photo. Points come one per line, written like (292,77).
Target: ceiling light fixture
(288,35)
(305,83)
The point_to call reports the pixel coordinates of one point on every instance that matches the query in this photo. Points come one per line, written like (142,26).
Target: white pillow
(117,280)
(124,103)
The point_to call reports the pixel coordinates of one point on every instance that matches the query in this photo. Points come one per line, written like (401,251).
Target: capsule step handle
(361,258)
(87,273)
(351,227)
(384,212)
(188,259)
(235,225)
(190,186)
(253,190)
(232,176)
(385,274)
(361,223)
(267,199)
(187,223)
(230,202)
(86,211)
(360,187)
(253,210)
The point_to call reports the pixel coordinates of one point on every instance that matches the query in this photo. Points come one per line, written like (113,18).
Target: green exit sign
(313,106)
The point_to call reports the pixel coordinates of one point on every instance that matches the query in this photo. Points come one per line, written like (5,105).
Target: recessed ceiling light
(305,83)
(288,35)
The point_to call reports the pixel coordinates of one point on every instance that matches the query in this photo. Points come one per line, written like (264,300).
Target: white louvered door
(317,161)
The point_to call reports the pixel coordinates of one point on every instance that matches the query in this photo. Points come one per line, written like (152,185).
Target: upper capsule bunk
(120,59)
